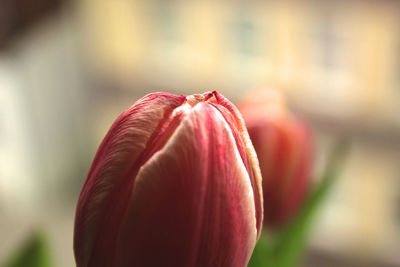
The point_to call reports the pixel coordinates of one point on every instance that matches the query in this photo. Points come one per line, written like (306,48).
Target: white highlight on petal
(194,99)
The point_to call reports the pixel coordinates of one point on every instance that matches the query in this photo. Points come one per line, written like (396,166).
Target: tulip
(175,182)
(283,145)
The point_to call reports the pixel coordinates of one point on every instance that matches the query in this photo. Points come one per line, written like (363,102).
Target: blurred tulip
(284,149)
(175,182)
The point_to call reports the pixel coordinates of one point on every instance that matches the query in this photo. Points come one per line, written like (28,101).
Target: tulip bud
(175,182)
(283,146)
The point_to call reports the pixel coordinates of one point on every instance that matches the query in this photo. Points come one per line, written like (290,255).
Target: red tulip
(175,182)
(284,149)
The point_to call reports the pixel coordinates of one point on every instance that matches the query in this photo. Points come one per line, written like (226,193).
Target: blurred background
(68,68)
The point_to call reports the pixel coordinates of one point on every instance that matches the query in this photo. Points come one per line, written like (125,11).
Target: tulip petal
(192,203)
(176,177)
(122,151)
(246,150)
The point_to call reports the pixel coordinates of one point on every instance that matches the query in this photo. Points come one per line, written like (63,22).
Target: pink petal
(246,150)
(192,202)
(131,140)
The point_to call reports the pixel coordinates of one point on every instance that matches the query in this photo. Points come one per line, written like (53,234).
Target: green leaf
(33,253)
(292,241)
(261,256)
